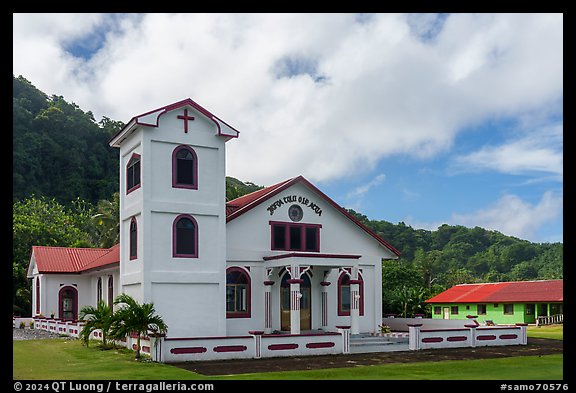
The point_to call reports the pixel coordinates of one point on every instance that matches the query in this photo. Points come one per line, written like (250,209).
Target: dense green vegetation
(59,150)
(433,261)
(65,179)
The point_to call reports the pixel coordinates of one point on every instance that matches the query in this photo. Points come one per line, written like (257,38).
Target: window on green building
(556,308)
(530,309)
(481,309)
(508,309)
(437,310)
(454,310)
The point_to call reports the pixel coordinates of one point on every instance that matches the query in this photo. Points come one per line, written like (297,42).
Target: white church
(281,271)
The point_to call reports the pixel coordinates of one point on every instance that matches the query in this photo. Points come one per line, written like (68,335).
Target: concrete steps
(366,343)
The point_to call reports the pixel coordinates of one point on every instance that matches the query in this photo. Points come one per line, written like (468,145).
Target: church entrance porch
(315,292)
(305,303)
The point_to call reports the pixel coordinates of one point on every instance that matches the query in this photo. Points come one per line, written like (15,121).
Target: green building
(530,302)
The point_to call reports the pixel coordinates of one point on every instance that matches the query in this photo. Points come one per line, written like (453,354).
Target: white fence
(401,324)
(423,334)
(550,319)
(256,345)
(470,337)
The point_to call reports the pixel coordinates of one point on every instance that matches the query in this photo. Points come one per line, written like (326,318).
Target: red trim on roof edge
(279,187)
(186,102)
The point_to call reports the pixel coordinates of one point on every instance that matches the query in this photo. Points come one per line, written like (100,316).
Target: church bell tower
(173,215)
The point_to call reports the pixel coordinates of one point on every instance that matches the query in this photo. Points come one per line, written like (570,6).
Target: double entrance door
(305,303)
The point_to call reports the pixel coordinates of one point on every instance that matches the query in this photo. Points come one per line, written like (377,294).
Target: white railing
(550,319)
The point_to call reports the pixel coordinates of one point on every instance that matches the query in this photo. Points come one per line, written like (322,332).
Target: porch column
(268,306)
(325,285)
(295,296)
(355,306)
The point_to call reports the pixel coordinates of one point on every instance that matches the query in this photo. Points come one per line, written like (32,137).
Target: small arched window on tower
(184,168)
(133,239)
(133,173)
(185,237)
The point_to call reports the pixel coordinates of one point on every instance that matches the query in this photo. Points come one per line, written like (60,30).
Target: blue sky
(421,118)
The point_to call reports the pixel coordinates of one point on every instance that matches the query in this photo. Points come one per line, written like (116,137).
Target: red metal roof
(111,257)
(245,200)
(243,204)
(73,260)
(503,292)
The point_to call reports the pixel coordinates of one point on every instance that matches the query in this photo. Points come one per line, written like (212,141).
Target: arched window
(99,289)
(185,237)
(110,291)
(344,297)
(184,168)
(37,295)
(133,239)
(68,303)
(237,293)
(133,173)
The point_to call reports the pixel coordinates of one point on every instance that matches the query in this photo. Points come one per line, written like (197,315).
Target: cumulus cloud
(509,215)
(537,151)
(361,190)
(322,95)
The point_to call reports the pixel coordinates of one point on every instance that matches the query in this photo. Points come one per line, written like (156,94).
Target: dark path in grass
(535,347)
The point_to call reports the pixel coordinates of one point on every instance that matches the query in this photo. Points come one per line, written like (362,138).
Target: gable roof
(73,260)
(503,292)
(239,206)
(152,117)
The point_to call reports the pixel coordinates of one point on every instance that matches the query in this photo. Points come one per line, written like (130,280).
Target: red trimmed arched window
(99,289)
(68,303)
(184,168)
(185,237)
(237,293)
(37,295)
(133,173)
(133,238)
(110,291)
(344,298)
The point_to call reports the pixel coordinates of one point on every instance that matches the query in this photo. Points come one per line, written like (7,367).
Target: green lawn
(552,331)
(64,359)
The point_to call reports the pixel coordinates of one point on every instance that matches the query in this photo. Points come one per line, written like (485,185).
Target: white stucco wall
(85,284)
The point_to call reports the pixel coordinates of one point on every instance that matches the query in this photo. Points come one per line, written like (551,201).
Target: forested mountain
(59,150)
(65,184)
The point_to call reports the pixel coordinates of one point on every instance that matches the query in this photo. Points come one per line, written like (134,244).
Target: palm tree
(133,317)
(100,317)
(107,221)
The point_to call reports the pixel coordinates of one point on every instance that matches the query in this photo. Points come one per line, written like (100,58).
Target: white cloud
(537,151)
(509,215)
(383,90)
(361,190)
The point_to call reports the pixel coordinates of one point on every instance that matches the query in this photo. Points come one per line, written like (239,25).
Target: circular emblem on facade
(295,213)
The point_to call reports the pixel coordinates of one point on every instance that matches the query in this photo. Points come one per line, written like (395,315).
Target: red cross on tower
(186,118)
